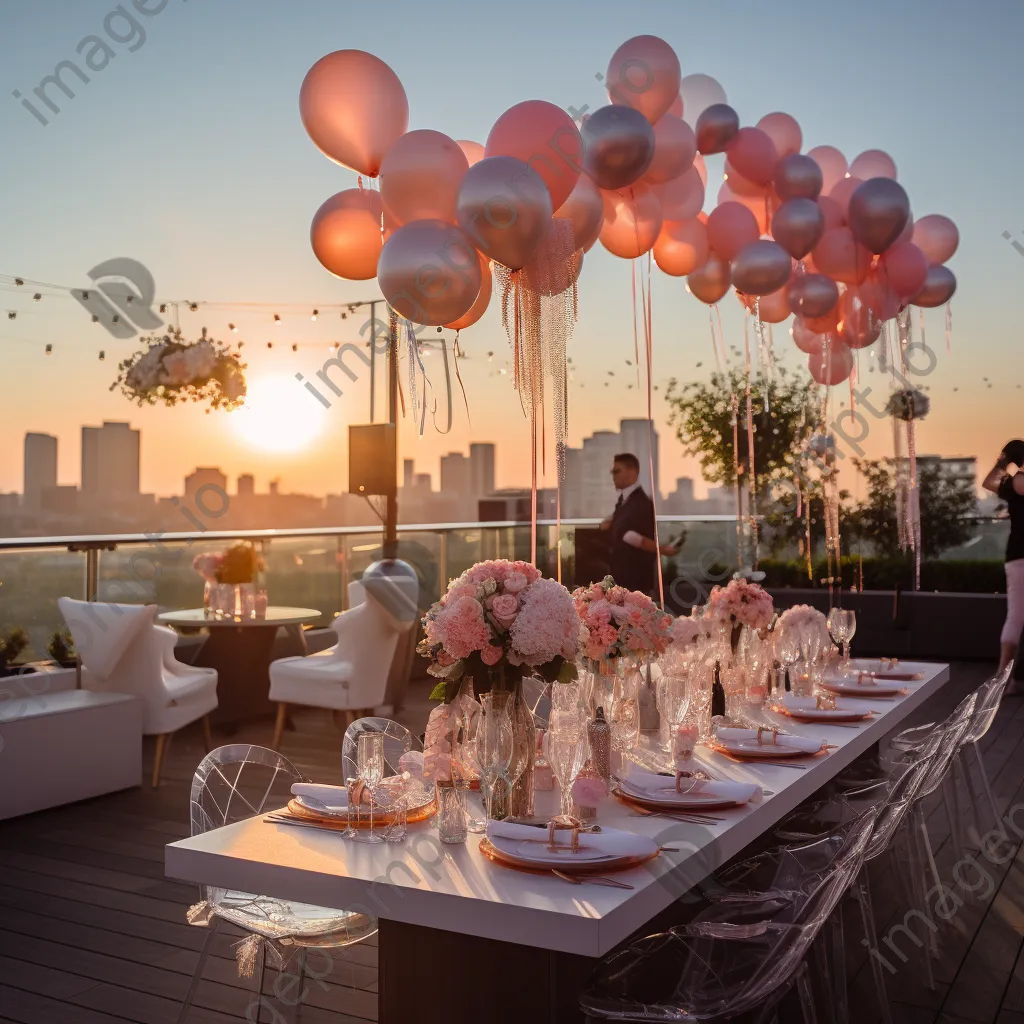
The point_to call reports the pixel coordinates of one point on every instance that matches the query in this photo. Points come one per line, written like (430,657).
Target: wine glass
(567,746)
(370,765)
(464,763)
(787,650)
(842,624)
(493,746)
(849,631)
(674,698)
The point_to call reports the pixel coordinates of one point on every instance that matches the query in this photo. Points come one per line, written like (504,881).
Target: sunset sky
(189,156)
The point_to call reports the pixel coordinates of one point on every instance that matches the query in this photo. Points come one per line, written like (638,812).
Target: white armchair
(124,651)
(351,677)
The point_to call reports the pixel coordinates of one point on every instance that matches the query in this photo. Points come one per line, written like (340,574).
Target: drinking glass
(370,765)
(849,629)
(842,624)
(624,714)
(260,604)
(787,650)
(493,746)
(465,769)
(452,820)
(674,699)
(567,747)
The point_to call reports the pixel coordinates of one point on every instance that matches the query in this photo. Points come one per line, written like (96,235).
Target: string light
(277,320)
(85,295)
(270,344)
(316,313)
(49,349)
(344,316)
(37,296)
(232,327)
(117,320)
(193,306)
(128,299)
(95,319)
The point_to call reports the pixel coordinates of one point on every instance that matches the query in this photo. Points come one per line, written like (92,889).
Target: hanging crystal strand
(949,328)
(714,339)
(915,504)
(751,467)
(645,296)
(736,476)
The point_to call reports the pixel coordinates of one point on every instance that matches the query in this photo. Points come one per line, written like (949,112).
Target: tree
(947,503)
(785,527)
(785,413)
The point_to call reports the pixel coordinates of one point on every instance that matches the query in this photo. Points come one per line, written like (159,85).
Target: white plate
(751,748)
(837,714)
(903,671)
(614,844)
(865,690)
(669,798)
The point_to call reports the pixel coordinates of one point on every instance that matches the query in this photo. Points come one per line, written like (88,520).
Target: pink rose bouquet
(620,623)
(499,621)
(207,565)
(742,603)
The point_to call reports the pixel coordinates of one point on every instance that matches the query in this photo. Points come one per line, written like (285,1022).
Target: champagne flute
(850,630)
(674,699)
(566,749)
(493,746)
(370,765)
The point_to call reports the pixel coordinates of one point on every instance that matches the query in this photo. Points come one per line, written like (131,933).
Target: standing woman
(1011,489)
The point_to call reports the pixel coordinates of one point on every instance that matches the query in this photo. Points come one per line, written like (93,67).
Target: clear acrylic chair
(398,740)
(233,783)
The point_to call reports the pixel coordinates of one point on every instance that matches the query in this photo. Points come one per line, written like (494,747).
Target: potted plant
(12,644)
(61,647)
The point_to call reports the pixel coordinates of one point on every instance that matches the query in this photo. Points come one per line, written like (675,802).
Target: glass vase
(597,683)
(624,719)
(512,795)
(208,599)
(243,602)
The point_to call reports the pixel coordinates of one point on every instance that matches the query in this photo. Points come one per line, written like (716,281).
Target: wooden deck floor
(91,932)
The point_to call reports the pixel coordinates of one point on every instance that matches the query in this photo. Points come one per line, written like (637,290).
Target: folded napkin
(735,737)
(802,704)
(609,842)
(663,787)
(332,797)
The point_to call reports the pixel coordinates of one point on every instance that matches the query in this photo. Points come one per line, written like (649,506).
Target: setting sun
(278,415)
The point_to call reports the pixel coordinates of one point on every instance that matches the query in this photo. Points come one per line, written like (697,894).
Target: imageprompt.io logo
(122,301)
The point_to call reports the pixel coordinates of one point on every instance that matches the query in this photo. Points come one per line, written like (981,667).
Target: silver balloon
(710,282)
(812,294)
(716,127)
(938,288)
(879,211)
(797,226)
(797,177)
(618,146)
(761,267)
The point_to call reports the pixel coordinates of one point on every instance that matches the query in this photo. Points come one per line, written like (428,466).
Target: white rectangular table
(436,901)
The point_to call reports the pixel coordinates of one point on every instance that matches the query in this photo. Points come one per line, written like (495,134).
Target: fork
(596,879)
(697,819)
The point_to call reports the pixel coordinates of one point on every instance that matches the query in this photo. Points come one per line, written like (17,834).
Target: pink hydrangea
(619,621)
(461,628)
(491,655)
(547,623)
(742,603)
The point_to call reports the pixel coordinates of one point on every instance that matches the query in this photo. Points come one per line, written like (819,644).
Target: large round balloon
(483,299)
(739,184)
(697,93)
(936,236)
(354,108)
(675,146)
(429,272)
(676,110)
(806,339)
(833,366)
(585,208)
(473,150)
(904,268)
(420,177)
(812,294)
(860,315)
(797,226)
(772,308)
(873,163)
(832,164)
(839,255)
(879,210)
(784,132)
(504,207)
(842,192)
(632,221)
(761,267)
(681,247)
(644,74)
(797,177)
(618,146)
(759,206)
(546,138)
(711,281)
(938,288)
(345,234)
(683,197)
(834,214)
(716,128)
(731,226)
(753,154)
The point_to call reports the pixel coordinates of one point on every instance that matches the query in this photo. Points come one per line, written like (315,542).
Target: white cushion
(102,632)
(197,682)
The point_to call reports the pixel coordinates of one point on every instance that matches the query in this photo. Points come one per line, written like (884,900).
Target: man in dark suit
(632,529)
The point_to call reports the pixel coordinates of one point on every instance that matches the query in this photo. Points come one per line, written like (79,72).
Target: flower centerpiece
(173,370)
(620,623)
(229,579)
(742,603)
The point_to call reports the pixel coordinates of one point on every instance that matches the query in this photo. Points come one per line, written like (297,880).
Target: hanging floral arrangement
(908,404)
(173,370)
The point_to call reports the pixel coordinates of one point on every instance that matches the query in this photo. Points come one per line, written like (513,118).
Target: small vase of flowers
(229,580)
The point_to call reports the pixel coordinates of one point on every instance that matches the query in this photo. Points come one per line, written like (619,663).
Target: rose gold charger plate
(766,752)
(812,719)
(341,823)
(594,867)
(650,804)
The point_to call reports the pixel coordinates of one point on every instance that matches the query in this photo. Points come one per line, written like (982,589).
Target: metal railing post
(442,562)
(92,573)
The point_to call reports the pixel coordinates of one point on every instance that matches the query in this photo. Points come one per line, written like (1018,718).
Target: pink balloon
(839,255)
(797,226)
(711,281)
(505,208)
(354,108)
(420,177)
(473,150)
(784,132)
(797,177)
(731,226)
(554,268)
(483,299)
(632,221)
(585,208)
(938,288)
(753,154)
(860,315)
(761,267)
(758,205)
(644,74)
(681,247)
(842,192)
(873,163)
(832,212)
(812,294)
(772,308)
(905,268)
(936,236)
(832,164)
(676,110)
(833,366)
(740,185)
(429,272)
(682,198)
(697,93)
(716,128)
(807,340)
(345,234)
(702,170)
(675,146)
(545,138)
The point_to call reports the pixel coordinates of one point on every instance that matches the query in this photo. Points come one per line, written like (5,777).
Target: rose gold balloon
(938,288)
(483,299)
(632,221)
(682,198)
(825,324)
(504,207)
(675,146)
(550,276)
(429,272)
(731,226)
(698,163)
(860,320)
(585,208)
(832,212)
(676,110)
(740,185)
(345,234)
(873,163)
(473,150)
(644,74)
(905,268)
(797,226)
(761,267)
(784,132)
(879,210)
(618,146)
(420,177)
(544,137)
(936,236)
(753,154)
(772,308)
(698,92)
(759,206)
(832,164)
(839,255)
(797,177)
(836,365)
(354,108)
(681,247)
(842,192)
(711,281)
(807,340)
(716,128)
(812,294)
